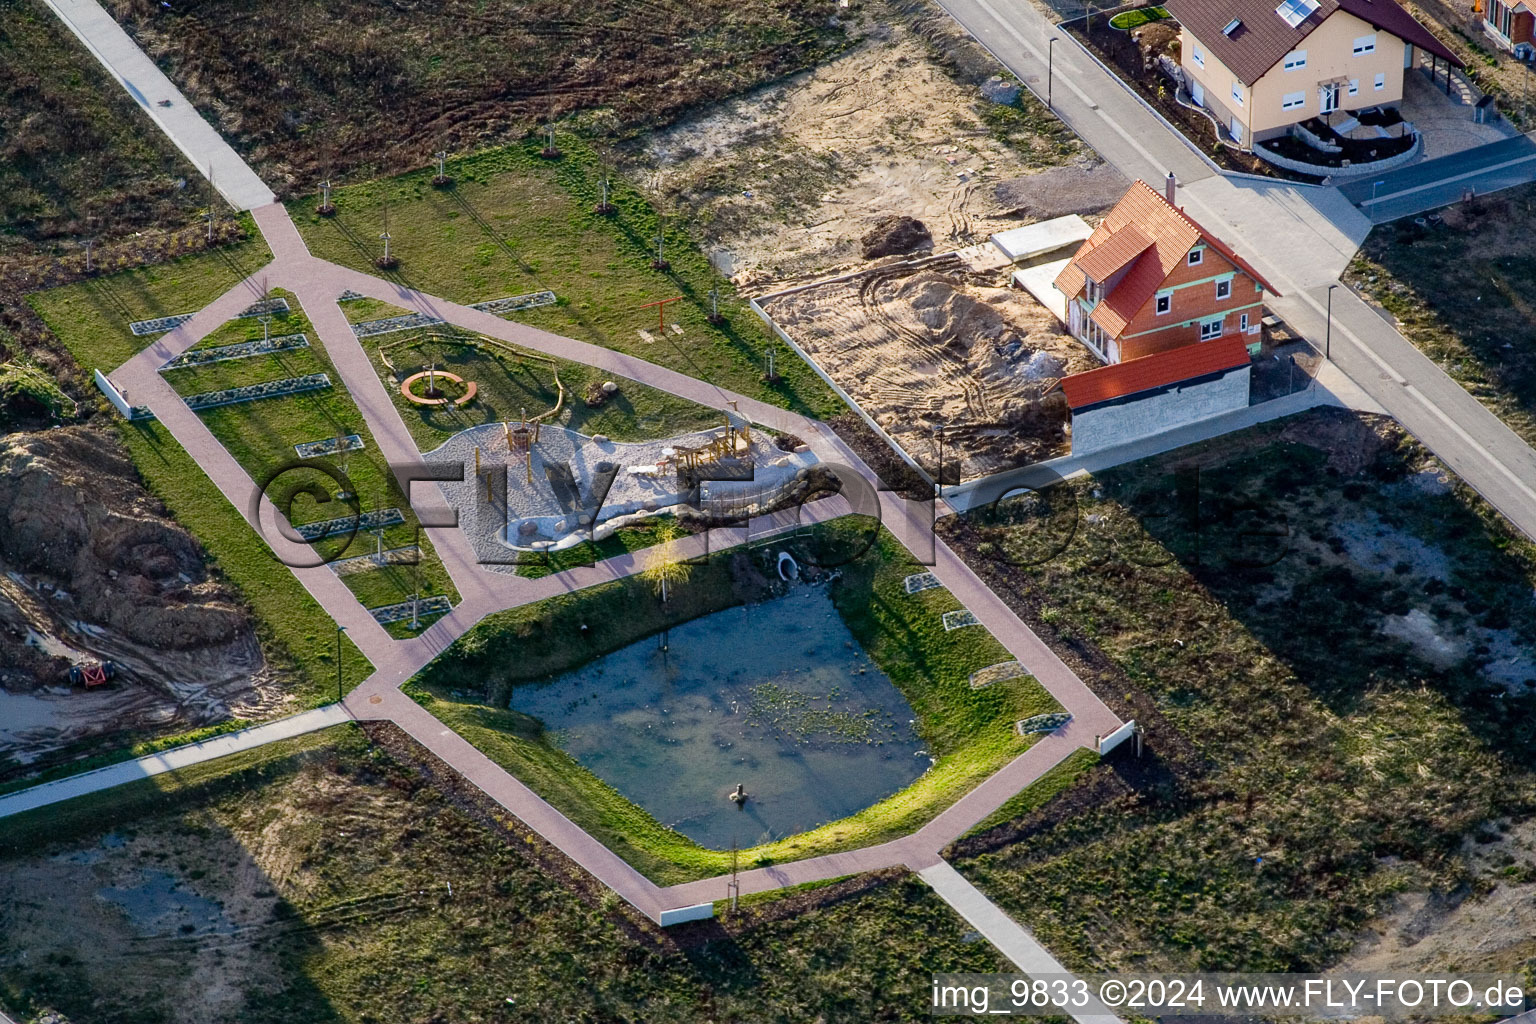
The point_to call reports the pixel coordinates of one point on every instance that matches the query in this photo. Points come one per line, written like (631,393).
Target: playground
(482,381)
(531,485)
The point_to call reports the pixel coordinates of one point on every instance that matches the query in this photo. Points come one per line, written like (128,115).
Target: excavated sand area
(934,345)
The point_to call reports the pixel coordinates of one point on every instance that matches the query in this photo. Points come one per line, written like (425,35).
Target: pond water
(159,904)
(777,697)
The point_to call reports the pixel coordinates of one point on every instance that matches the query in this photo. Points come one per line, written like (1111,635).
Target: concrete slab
(1038,239)
(1040,281)
(164,103)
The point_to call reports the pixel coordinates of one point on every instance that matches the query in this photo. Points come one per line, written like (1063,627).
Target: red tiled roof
(1143,212)
(1107,259)
(1137,375)
(1263,37)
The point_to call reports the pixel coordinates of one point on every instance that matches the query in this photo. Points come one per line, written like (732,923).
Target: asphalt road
(1435,183)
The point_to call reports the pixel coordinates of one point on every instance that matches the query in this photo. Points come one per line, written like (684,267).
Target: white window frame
(1354,87)
(1237,92)
(1211,329)
(1295,60)
(1196,56)
(1293,100)
(1224,288)
(1365,45)
(1196,256)
(1163,303)
(1381,80)
(1242,324)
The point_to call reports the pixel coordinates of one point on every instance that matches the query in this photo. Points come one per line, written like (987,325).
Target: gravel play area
(549,511)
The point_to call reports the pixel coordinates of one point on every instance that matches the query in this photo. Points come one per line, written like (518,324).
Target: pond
(777,697)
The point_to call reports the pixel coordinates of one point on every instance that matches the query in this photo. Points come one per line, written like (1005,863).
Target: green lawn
(514,224)
(333,856)
(1265,605)
(969,731)
(1126,20)
(509,387)
(91,318)
(296,632)
(261,435)
(620,542)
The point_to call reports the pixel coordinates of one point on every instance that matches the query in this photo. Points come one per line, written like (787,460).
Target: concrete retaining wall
(1352,171)
(1119,736)
(113,395)
(1156,412)
(682,915)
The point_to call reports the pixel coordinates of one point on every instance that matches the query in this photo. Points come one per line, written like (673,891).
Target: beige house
(1261,67)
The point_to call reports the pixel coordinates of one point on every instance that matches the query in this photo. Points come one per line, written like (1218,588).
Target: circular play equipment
(433,394)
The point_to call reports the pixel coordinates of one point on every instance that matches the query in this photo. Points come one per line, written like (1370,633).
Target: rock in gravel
(894,236)
(1000,90)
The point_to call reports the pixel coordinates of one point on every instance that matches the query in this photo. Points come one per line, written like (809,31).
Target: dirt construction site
(92,569)
(783,182)
(938,344)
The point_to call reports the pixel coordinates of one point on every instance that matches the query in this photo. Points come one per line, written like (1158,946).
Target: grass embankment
(297,635)
(508,387)
(514,223)
(1268,606)
(261,436)
(87,755)
(969,731)
(91,317)
(78,157)
(1461,294)
(326,860)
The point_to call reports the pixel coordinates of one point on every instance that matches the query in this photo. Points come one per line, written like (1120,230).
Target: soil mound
(895,236)
(93,568)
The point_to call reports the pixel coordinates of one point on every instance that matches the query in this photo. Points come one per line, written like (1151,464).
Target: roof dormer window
(1232,26)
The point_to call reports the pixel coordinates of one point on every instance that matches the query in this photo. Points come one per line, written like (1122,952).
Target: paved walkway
(172,760)
(163,102)
(1003,932)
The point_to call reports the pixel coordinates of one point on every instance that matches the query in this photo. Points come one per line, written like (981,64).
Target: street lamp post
(1050,70)
(340,629)
(1374,186)
(1328,338)
(938,433)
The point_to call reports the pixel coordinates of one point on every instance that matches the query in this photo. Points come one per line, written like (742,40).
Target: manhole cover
(375,699)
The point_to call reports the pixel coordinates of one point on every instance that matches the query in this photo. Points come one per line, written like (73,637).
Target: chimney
(1171,188)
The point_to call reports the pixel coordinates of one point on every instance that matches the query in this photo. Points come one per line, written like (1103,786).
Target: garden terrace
(92,317)
(263,435)
(969,731)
